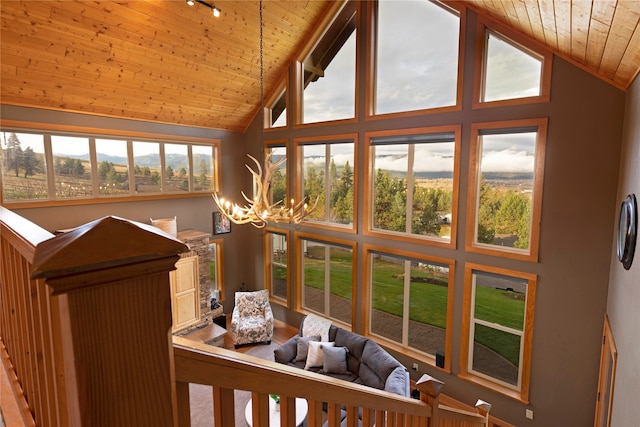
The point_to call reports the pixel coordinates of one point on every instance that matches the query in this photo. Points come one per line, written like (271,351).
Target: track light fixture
(216,12)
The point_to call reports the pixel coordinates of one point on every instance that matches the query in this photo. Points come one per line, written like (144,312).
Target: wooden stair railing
(85,322)
(227,371)
(85,340)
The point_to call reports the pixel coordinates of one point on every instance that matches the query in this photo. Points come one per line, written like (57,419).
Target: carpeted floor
(202,400)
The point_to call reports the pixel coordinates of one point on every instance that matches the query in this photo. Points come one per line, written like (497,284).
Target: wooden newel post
(430,389)
(483,408)
(111,322)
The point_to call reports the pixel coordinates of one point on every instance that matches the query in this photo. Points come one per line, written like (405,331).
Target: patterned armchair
(252,318)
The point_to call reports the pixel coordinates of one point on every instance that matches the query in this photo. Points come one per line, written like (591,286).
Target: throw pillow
(303,348)
(314,357)
(335,360)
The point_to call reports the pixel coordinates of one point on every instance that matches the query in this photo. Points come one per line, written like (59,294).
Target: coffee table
(302,408)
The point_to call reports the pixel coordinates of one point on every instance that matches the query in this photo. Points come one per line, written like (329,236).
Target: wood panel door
(185,301)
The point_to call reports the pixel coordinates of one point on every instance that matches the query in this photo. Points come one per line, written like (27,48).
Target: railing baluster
(287,411)
(314,416)
(223,406)
(183,404)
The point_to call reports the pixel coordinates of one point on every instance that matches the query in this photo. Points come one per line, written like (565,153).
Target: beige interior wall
(623,303)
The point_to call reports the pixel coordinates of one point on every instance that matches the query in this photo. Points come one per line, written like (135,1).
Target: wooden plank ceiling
(167,62)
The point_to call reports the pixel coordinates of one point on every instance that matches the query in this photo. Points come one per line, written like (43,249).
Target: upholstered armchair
(252,318)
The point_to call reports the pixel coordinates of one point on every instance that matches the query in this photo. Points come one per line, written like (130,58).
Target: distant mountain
(176,161)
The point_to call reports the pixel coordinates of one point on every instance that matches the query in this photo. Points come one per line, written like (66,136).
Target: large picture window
(507,164)
(410,300)
(327,282)
(416,58)
(413,184)
(328,176)
(329,72)
(497,329)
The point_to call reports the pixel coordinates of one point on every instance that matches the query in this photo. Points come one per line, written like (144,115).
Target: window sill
(505,391)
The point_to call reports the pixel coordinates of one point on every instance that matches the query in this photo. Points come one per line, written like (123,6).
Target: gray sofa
(366,362)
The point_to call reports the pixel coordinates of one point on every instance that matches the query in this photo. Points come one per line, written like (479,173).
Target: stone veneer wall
(198,243)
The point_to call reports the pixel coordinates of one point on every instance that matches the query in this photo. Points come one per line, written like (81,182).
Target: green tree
(203,173)
(30,162)
(314,189)
(104,168)
(278,186)
(14,153)
(112,176)
(78,167)
(488,205)
(342,196)
(169,172)
(425,218)
(155,177)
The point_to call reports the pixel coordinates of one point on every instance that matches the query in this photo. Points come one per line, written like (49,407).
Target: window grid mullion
(406,303)
(409,201)
(499,327)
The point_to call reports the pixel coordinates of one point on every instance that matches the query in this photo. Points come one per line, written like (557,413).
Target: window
(413,183)
(506,180)
(276,266)
(327,282)
(329,72)
(113,167)
(416,58)
(24,167)
(279,190)
(328,176)
(42,166)
(277,110)
(176,168)
(203,164)
(72,167)
(497,328)
(410,300)
(508,71)
(147,167)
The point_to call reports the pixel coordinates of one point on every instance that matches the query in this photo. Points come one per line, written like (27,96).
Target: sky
(508,153)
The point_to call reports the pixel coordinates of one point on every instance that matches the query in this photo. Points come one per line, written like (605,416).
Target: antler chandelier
(259,211)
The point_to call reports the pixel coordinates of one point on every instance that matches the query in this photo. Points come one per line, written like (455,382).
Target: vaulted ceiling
(167,62)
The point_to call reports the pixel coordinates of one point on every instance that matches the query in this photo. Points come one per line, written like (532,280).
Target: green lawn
(428,300)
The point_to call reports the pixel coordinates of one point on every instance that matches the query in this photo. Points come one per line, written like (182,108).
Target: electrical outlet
(415,367)
(528,413)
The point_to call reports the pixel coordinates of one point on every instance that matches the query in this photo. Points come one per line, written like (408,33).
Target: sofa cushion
(376,365)
(335,360)
(397,382)
(315,355)
(302,348)
(355,343)
(287,351)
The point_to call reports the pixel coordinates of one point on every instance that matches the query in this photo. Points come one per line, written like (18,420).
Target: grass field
(428,297)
